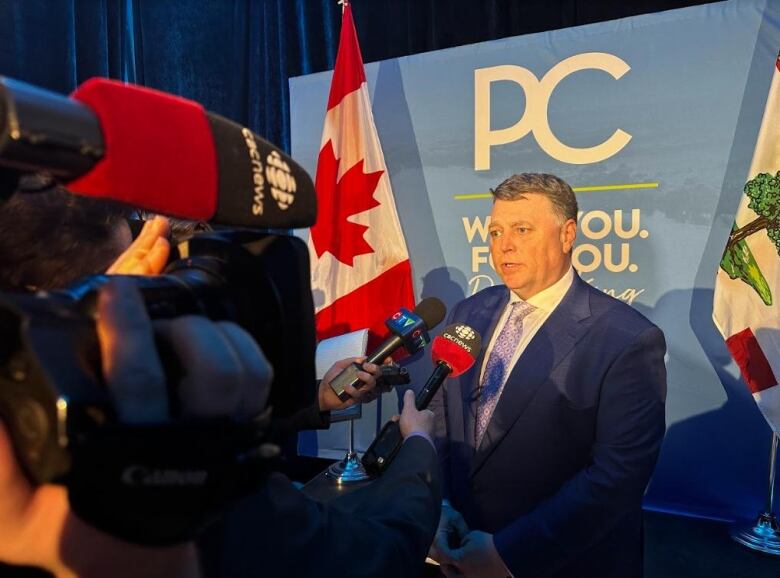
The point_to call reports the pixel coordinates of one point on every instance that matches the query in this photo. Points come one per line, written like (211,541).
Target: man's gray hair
(555,189)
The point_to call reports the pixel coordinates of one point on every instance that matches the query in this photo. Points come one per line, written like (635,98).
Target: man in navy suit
(548,442)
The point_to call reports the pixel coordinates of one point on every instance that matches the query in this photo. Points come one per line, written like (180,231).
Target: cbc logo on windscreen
(535,118)
(279,176)
(276,173)
(465,332)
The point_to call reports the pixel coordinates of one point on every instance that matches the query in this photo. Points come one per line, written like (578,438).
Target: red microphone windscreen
(458,346)
(160,153)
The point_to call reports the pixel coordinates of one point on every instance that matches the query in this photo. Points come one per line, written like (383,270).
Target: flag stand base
(762,536)
(348,470)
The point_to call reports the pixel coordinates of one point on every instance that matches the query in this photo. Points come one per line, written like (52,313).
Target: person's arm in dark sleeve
(383,530)
(310,417)
(317,415)
(630,428)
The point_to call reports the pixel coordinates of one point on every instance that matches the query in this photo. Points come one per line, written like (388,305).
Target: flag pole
(770,498)
(764,534)
(350,469)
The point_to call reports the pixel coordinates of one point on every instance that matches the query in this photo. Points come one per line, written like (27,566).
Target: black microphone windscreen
(259,185)
(431,310)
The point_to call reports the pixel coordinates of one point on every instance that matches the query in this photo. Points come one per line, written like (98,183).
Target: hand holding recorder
(454,351)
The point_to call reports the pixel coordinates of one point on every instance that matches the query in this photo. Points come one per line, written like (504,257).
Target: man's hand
(148,254)
(477,558)
(449,537)
(327,398)
(414,421)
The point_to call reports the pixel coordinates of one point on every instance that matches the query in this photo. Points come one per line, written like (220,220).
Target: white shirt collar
(549,298)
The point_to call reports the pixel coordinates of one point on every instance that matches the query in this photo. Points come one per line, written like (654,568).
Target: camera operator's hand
(224,372)
(414,421)
(327,398)
(148,254)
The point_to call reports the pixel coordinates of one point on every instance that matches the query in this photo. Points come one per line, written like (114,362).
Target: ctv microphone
(151,150)
(454,352)
(409,330)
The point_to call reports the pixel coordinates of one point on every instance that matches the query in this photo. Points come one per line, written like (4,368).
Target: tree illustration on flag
(361,272)
(738,261)
(749,272)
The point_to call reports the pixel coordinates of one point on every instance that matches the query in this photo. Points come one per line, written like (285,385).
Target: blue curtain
(236,56)
(233,56)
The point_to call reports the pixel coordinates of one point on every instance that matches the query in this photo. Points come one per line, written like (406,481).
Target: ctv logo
(534,118)
(402,320)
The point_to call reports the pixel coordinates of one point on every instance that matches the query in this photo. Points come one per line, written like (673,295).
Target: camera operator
(51,238)
(226,374)
(275,532)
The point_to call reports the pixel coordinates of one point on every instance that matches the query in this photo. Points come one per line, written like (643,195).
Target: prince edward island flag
(747,285)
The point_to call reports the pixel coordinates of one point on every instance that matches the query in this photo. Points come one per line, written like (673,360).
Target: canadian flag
(360,266)
(748,279)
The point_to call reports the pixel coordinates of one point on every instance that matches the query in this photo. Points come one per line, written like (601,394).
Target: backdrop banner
(653,121)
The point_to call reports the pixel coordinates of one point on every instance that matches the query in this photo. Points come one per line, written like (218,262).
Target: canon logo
(450,337)
(258,180)
(136,475)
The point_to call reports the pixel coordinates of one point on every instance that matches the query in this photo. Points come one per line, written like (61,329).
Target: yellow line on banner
(623,187)
(616,187)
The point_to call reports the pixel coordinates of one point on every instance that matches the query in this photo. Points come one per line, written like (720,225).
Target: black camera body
(182,473)
(153,484)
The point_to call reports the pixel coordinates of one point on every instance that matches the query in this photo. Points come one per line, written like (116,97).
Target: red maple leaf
(338,200)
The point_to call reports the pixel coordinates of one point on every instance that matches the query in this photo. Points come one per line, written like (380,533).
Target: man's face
(530,247)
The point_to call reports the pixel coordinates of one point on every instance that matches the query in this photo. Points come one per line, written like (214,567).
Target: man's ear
(568,235)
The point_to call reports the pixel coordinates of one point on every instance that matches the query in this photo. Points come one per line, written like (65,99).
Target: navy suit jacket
(562,468)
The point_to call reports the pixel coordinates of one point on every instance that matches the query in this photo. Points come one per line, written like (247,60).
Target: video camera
(151,484)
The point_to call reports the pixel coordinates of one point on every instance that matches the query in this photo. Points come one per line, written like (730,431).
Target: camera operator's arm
(148,254)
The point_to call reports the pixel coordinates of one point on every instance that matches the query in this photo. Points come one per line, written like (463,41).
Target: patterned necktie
(496,370)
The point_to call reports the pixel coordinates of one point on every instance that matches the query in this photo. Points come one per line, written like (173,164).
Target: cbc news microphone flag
(361,272)
(747,285)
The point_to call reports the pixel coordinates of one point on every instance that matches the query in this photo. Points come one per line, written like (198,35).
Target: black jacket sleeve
(384,529)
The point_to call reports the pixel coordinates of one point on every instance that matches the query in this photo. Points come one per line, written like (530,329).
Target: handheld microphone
(454,352)
(151,150)
(408,330)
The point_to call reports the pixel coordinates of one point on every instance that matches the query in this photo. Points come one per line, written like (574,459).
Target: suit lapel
(552,342)
(484,319)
